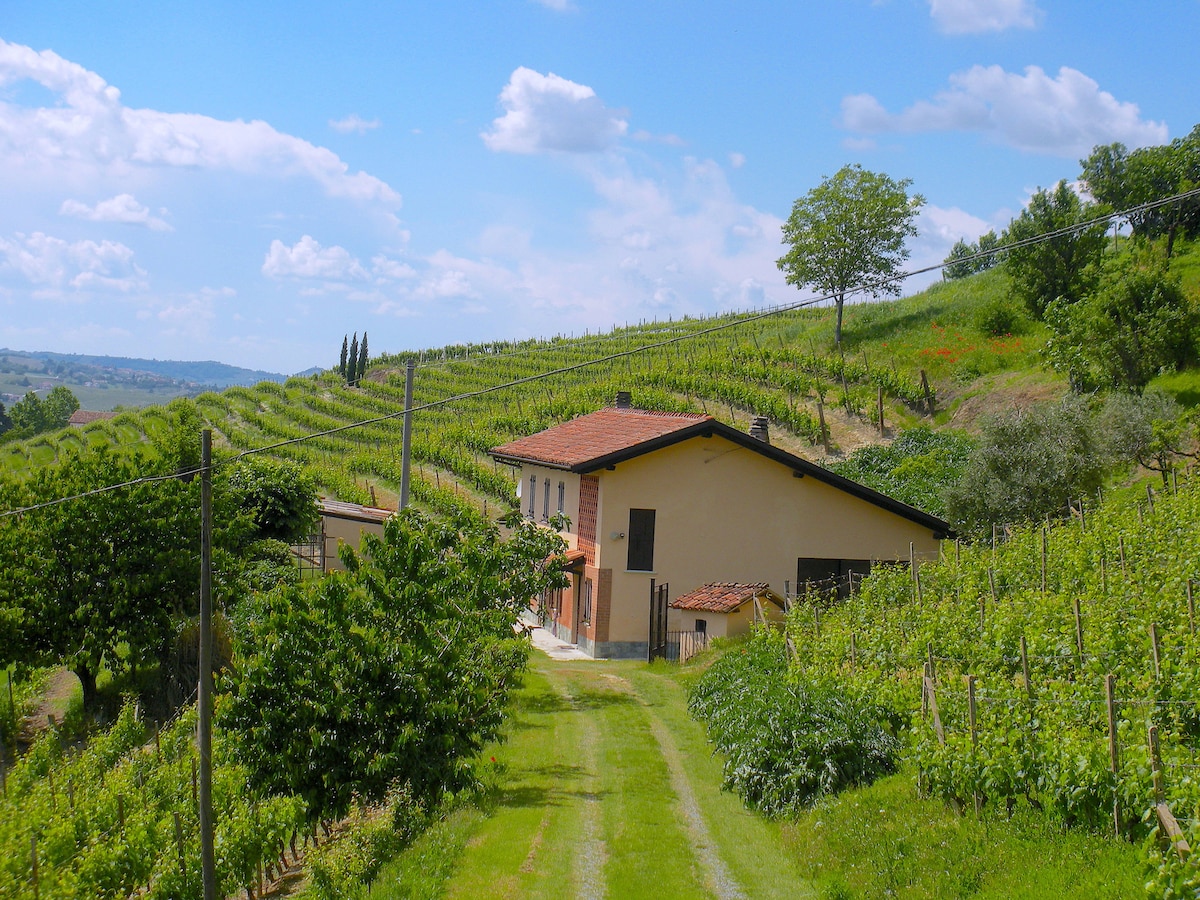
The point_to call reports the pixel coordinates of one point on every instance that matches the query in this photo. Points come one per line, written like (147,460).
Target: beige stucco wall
(350,531)
(726,513)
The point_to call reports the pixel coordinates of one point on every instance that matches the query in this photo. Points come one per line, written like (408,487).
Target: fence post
(1114,757)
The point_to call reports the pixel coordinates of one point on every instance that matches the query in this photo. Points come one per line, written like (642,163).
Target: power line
(763,313)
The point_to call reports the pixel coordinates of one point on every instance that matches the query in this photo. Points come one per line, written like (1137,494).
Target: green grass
(884,841)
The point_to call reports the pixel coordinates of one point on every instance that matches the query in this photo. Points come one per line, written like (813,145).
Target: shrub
(787,741)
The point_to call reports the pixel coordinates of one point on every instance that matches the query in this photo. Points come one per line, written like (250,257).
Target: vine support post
(1165,818)
(928,393)
(406,435)
(1078,629)
(1191,606)
(972,720)
(1114,754)
(853,653)
(824,429)
(1044,539)
(881,425)
(992,585)
(1155,651)
(1025,668)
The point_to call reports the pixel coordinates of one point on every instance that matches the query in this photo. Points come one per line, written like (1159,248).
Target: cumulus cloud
(48,262)
(549,113)
(1065,115)
(91,127)
(308,259)
(979,16)
(353,123)
(122,208)
(737,160)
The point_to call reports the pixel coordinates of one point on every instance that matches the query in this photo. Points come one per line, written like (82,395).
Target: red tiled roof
(723,597)
(596,435)
(85,416)
(355,512)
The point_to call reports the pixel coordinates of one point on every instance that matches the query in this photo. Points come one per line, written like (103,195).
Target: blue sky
(248,182)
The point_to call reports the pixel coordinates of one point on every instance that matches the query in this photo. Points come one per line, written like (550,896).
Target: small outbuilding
(724,609)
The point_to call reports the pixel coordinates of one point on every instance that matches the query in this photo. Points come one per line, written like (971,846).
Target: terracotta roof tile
(724,597)
(85,416)
(596,435)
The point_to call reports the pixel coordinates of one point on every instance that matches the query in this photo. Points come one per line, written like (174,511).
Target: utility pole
(208,860)
(406,447)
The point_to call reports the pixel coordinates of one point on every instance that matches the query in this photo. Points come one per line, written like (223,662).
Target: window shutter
(641,540)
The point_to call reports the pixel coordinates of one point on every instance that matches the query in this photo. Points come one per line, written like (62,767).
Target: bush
(1000,317)
(787,742)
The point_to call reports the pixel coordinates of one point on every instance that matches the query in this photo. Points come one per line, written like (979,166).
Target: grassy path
(608,789)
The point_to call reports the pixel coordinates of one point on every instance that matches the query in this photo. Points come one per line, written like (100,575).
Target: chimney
(624,400)
(758,429)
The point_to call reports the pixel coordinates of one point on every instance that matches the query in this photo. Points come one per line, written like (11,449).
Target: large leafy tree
(848,233)
(280,497)
(1136,324)
(394,672)
(5,421)
(83,578)
(58,407)
(1043,268)
(28,414)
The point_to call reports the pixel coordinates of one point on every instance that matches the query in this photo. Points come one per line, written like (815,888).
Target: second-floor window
(562,497)
(546,501)
(532,494)
(641,540)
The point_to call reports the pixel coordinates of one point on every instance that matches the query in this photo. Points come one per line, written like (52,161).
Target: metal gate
(658,621)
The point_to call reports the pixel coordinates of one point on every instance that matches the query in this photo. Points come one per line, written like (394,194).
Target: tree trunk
(837,332)
(87,679)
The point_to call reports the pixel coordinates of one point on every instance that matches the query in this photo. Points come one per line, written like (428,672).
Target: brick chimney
(624,400)
(758,429)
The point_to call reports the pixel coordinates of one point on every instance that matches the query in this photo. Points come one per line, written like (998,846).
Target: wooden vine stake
(1191,609)
(853,652)
(882,428)
(931,695)
(1121,547)
(928,393)
(1078,630)
(1025,668)
(1168,822)
(179,843)
(1114,756)
(1043,559)
(1155,651)
(824,430)
(973,722)
(992,585)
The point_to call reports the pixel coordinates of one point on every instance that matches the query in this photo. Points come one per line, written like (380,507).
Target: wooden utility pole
(208,859)
(406,446)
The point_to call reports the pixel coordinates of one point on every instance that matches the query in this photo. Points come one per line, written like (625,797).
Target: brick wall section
(589,500)
(603,603)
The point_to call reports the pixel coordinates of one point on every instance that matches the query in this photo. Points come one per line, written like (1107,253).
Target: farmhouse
(339,523)
(660,504)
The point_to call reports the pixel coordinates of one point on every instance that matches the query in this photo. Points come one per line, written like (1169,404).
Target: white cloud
(90,127)
(51,263)
(737,160)
(1063,116)
(978,16)
(307,259)
(353,123)
(122,208)
(549,113)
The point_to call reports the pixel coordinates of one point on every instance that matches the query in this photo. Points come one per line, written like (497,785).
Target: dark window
(546,502)
(532,494)
(827,575)
(701,626)
(641,540)
(562,496)
(587,601)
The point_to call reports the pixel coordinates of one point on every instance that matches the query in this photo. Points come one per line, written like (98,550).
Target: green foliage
(281,497)
(394,672)
(345,351)
(787,741)
(849,232)
(5,421)
(58,407)
(1137,324)
(1000,318)
(1060,267)
(1149,429)
(1028,463)
(28,414)
(970,259)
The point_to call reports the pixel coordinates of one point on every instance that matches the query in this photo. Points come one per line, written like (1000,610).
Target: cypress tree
(345,348)
(362,358)
(352,366)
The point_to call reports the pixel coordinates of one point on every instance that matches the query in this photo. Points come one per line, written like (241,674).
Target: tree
(5,421)
(394,672)
(969,259)
(352,365)
(1062,266)
(848,233)
(1136,324)
(342,362)
(1028,462)
(58,407)
(280,497)
(28,414)
(362,359)
(1151,430)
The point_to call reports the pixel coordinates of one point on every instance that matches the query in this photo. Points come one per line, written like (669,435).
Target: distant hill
(206,372)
